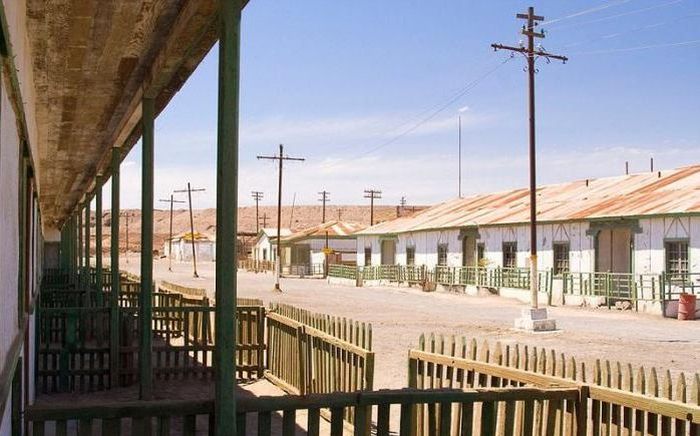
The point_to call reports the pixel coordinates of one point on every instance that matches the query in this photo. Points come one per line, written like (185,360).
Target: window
(480,249)
(264,253)
(410,255)
(368,256)
(676,258)
(561,257)
(510,250)
(442,254)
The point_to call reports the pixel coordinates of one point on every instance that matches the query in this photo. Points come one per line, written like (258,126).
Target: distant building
(645,223)
(304,250)
(262,248)
(205,247)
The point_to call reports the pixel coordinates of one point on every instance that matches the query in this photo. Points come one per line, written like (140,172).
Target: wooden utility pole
(531,53)
(325,197)
(280,158)
(257,196)
(170,238)
(372,194)
(264,219)
(189,191)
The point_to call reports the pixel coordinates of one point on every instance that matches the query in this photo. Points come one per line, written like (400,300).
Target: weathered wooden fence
(615,398)
(316,353)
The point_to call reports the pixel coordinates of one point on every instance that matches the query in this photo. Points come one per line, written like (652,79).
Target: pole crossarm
(525,51)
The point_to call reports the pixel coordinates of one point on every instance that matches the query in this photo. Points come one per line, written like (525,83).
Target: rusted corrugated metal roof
(333,228)
(675,192)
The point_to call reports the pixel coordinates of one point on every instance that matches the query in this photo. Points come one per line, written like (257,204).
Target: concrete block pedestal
(535,320)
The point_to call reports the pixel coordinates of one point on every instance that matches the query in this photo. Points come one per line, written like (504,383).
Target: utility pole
(170,239)
(280,158)
(459,142)
(372,194)
(189,191)
(264,218)
(651,164)
(627,168)
(531,53)
(340,211)
(325,197)
(257,196)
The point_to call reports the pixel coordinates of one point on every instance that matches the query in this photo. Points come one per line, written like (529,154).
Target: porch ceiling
(93,61)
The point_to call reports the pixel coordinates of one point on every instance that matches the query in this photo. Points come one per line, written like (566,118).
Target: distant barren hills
(205,220)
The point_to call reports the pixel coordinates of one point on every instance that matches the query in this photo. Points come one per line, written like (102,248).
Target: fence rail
(267,415)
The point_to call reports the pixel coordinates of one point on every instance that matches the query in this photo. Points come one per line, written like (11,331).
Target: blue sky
(355,88)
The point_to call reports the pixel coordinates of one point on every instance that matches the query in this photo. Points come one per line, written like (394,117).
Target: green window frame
(410,255)
(560,258)
(676,258)
(442,254)
(510,255)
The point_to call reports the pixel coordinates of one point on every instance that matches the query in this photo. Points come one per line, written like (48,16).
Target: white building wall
(648,257)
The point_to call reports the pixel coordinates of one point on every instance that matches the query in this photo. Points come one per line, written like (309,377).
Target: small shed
(204,245)
(263,250)
(306,248)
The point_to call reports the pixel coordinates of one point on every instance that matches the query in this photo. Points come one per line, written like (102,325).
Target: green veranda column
(226,215)
(79,245)
(114,267)
(98,240)
(145,301)
(87,242)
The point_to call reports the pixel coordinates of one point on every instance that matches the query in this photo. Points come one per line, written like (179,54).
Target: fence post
(261,341)
(301,353)
(582,411)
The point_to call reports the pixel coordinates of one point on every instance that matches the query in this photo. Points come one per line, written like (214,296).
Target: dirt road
(400,315)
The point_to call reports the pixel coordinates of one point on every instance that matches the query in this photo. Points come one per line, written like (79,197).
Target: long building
(646,223)
(81,82)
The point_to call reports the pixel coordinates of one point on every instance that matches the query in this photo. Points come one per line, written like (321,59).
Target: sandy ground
(400,315)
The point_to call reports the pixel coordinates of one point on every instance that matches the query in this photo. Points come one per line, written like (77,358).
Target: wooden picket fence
(615,398)
(310,353)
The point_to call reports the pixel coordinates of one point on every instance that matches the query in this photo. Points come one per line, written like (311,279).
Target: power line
(585,12)
(622,14)
(471,85)
(627,32)
(643,47)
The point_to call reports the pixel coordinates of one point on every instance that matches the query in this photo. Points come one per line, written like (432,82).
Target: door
(388,252)
(614,255)
(613,250)
(468,251)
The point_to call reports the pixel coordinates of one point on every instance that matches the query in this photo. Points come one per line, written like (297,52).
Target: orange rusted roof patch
(334,229)
(674,192)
